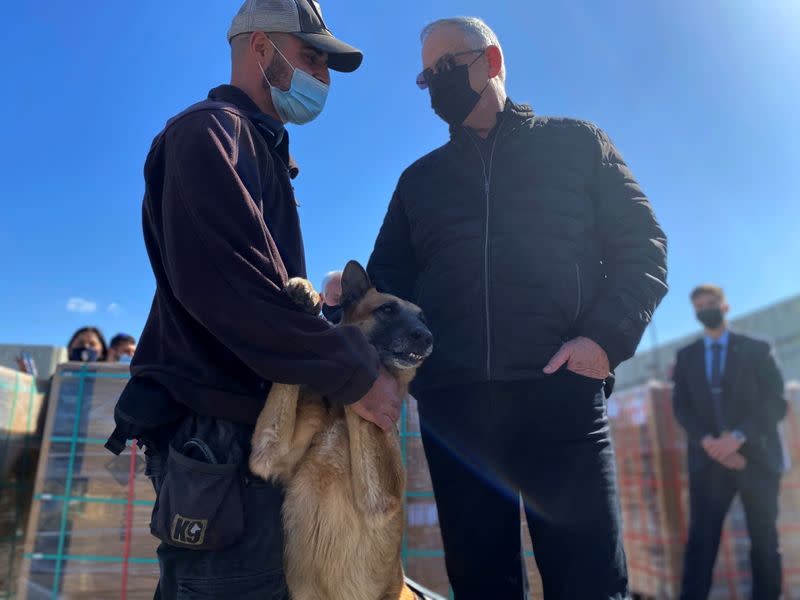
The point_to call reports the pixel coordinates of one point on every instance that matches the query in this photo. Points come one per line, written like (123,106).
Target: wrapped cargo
(650,451)
(651,462)
(88,534)
(20,437)
(423,557)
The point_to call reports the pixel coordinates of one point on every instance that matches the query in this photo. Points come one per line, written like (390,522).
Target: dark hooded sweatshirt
(223,236)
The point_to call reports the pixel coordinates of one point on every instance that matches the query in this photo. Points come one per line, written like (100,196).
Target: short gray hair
(328,278)
(475,30)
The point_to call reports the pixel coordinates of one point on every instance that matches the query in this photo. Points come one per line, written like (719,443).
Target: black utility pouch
(201,503)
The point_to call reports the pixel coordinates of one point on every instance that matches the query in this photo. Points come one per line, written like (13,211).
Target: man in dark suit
(728,396)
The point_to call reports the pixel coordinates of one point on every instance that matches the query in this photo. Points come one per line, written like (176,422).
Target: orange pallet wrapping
(651,462)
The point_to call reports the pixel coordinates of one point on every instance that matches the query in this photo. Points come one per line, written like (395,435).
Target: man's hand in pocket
(582,356)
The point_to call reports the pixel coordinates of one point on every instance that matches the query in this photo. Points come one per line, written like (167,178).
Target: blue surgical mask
(125,359)
(303,101)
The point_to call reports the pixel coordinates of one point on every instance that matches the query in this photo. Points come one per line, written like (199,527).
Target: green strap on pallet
(82,373)
(92,499)
(91,558)
(80,440)
(419,494)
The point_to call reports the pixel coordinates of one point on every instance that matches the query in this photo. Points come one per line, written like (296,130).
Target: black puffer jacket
(515,244)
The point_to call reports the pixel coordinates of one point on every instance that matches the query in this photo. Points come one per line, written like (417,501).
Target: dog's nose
(422,336)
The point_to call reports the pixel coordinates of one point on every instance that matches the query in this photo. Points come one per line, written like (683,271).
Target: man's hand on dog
(381,404)
(582,356)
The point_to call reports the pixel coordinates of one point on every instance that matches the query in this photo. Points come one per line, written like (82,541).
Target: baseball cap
(301,18)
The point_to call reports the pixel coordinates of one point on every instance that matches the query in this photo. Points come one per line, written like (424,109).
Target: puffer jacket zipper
(487,186)
(580,293)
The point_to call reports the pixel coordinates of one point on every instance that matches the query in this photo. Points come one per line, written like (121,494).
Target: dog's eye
(388,309)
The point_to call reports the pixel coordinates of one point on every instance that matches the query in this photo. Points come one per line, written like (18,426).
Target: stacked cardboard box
(88,534)
(650,451)
(20,436)
(789,507)
(535,591)
(651,463)
(423,556)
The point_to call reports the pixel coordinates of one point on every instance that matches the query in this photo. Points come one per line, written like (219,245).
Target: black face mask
(711,318)
(332,313)
(452,97)
(84,354)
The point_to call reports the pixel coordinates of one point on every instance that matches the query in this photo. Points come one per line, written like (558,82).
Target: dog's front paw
(303,295)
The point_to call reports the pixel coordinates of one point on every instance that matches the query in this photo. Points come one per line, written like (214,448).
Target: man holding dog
(223,237)
(570,264)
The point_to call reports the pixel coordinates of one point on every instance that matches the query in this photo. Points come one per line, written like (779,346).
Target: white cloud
(115,309)
(81,305)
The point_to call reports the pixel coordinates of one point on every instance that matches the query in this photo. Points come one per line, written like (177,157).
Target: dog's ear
(355,284)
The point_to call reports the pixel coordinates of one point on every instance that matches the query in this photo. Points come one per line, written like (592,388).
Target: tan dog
(344,478)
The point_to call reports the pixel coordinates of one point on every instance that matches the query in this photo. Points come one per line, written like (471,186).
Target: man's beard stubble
(279,74)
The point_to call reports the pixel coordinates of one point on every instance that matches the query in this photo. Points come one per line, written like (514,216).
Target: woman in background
(87,345)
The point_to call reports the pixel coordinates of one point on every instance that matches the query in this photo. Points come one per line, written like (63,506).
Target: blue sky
(700,97)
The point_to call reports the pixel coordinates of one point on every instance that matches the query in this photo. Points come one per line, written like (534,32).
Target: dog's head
(395,327)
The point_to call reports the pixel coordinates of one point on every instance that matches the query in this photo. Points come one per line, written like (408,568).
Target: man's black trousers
(548,441)
(711,491)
